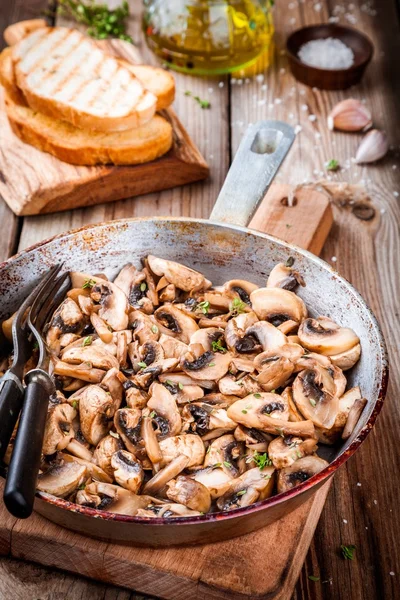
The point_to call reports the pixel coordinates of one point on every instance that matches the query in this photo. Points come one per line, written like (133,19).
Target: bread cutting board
(261,565)
(34,182)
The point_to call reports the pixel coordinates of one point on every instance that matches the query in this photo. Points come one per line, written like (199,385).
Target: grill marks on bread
(65,74)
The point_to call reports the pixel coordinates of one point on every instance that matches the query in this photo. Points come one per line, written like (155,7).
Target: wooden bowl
(329,79)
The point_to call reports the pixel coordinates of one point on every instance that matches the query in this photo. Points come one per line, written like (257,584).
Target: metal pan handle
(260,154)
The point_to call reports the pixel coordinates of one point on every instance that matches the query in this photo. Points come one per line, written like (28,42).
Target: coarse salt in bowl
(328,53)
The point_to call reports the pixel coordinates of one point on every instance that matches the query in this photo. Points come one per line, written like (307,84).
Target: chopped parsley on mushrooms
(177,398)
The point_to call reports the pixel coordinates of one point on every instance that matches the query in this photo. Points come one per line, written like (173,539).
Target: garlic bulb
(350,115)
(373,147)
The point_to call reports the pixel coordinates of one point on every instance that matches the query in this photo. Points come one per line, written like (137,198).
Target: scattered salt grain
(391,573)
(345,521)
(282,71)
(375,501)
(260,78)
(210,90)
(292,21)
(221,84)
(394,167)
(291,116)
(278,101)
(382,213)
(396,194)
(261,102)
(334,259)
(297,129)
(329,53)
(333,19)
(312,118)
(318,7)
(211,156)
(302,92)
(304,107)
(359,484)
(264,87)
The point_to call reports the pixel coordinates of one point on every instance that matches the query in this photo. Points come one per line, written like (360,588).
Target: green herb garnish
(217,465)
(218,347)
(82,486)
(35,345)
(289,262)
(154,328)
(257,395)
(241,493)
(204,307)
(236,307)
(211,364)
(142,365)
(143,287)
(87,341)
(348,551)
(244,411)
(227,464)
(102,22)
(312,402)
(261,460)
(313,578)
(200,102)
(75,404)
(89,283)
(180,386)
(332,165)
(152,414)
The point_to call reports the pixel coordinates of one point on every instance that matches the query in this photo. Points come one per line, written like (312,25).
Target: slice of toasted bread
(7,77)
(17,31)
(65,75)
(73,145)
(158,81)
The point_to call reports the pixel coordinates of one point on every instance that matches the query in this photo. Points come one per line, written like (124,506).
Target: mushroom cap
(190,493)
(241,287)
(235,333)
(182,277)
(347,360)
(324,336)
(224,451)
(277,305)
(160,480)
(188,444)
(62,478)
(96,410)
(144,328)
(128,471)
(299,471)
(127,422)
(284,277)
(96,356)
(314,393)
(269,336)
(215,479)
(58,431)
(175,322)
(284,451)
(255,484)
(119,500)
(114,304)
(210,366)
(164,404)
(104,452)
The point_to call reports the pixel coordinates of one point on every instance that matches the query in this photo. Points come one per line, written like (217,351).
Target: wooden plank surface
(367,253)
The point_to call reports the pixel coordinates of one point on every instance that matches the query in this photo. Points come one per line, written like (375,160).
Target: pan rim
(320,477)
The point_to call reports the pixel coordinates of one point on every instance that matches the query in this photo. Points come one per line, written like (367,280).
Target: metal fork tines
(33,400)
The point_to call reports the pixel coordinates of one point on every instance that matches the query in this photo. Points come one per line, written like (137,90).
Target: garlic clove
(373,146)
(350,115)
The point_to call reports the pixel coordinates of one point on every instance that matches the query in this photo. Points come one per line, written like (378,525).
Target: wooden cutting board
(34,182)
(261,565)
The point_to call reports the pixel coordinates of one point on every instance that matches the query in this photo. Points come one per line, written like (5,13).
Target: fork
(19,492)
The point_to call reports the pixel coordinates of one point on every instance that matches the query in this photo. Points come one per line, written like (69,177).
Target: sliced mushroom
(205,338)
(135,397)
(284,451)
(96,410)
(215,479)
(68,318)
(172,347)
(114,304)
(277,305)
(209,366)
(268,336)
(59,430)
(127,422)
(235,334)
(276,366)
(241,288)
(183,379)
(253,485)
(94,471)
(205,419)
(300,471)
(160,480)
(69,338)
(62,478)
(353,417)
(314,393)
(284,277)
(182,277)
(190,493)
(101,328)
(95,356)
(144,329)
(253,438)
(113,499)
(104,452)
(111,383)
(133,283)
(268,414)
(167,417)
(78,449)
(224,452)
(175,322)
(167,511)
(188,445)
(324,336)
(128,471)
(229,386)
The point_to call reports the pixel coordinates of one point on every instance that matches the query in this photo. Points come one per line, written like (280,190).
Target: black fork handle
(11,397)
(19,491)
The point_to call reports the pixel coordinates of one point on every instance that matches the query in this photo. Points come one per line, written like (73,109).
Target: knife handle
(11,397)
(19,491)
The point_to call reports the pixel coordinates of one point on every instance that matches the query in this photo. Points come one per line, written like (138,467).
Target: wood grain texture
(366,253)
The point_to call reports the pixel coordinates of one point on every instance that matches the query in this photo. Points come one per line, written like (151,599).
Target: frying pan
(221,251)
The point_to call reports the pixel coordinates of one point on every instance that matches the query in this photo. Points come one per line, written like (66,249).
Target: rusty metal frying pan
(222,251)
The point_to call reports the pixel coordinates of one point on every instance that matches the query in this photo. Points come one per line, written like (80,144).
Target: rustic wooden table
(362,507)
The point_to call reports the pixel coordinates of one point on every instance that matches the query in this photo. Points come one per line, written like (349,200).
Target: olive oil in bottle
(208,36)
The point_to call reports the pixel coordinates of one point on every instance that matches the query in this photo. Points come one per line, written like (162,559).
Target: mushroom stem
(151,442)
(352,419)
